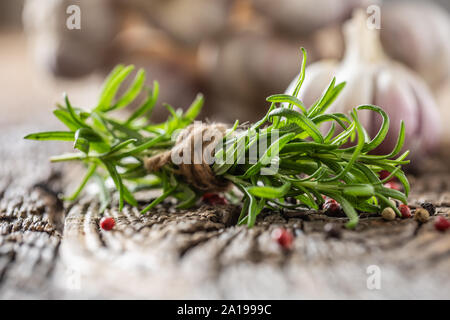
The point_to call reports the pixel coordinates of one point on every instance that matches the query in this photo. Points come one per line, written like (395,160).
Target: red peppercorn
(383,174)
(107,223)
(405,211)
(332,206)
(213,199)
(329,201)
(441,223)
(283,237)
(393,185)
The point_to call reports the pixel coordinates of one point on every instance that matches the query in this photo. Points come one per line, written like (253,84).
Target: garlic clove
(372,78)
(430,130)
(399,102)
(443,101)
(355,93)
(416,33)
(318,79)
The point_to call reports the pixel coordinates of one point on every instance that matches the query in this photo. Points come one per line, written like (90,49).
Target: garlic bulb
(416,33)
(306,16)
(372,78)
(70,52)
(443,100)
(187,21)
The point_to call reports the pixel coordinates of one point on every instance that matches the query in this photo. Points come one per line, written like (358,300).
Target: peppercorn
(405,211)
(394,202)
(283,237)
(332,230)
(383,174)
(291,200)
(332,208)
(421,215)
(441,223)
(393,185)
(107,223)
(213,199)
(330,200)
(429,207)
(388,214)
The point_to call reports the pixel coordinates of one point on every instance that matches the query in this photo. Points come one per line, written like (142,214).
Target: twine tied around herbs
(199,141)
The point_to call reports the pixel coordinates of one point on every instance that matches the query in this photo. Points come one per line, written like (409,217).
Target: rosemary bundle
(295,164)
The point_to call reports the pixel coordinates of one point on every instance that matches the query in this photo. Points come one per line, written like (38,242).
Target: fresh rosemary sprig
(308,163)
(112,148)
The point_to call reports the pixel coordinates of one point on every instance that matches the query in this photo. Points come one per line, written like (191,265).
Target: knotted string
(195,167)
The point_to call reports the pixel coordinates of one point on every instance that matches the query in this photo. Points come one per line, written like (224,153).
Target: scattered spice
(291,200)
(332,208)
(431,208)
(388,214)
(213,199)
(394,202)
(383,174)
(325,198)
(421,215)
(284,237)
(441,223)
(107,223)
(332,230)
(405,211)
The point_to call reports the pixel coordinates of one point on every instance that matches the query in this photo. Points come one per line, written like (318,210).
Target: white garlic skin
(306,16)
(417,34)
(372,78)
(187,21)
(443,100)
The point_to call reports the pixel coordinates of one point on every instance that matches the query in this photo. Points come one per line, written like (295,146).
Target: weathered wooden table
(48,250)
(51,250)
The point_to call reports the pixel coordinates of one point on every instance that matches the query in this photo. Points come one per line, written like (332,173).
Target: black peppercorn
(333,209)
(431,208)
(291,200)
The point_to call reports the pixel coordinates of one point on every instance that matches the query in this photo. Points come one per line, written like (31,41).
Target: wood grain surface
(54,250)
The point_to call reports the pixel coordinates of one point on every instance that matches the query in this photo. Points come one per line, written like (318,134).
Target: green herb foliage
(310,164)
(115,149)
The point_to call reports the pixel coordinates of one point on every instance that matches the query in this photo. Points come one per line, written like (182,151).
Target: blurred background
(236,52)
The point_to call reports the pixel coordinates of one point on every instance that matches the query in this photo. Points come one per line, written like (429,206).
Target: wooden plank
(200,253)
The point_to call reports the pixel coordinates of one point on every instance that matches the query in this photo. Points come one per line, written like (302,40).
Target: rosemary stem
(158,200)
(69,157)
